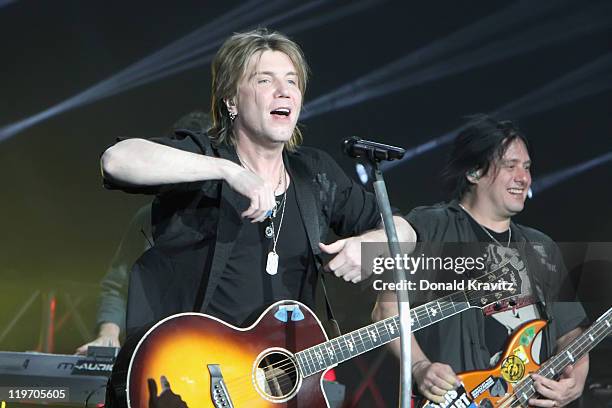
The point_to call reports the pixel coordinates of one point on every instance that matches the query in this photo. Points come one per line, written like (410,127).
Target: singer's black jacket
(195,226)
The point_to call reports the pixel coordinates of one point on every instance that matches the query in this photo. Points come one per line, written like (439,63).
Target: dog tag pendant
(272,263)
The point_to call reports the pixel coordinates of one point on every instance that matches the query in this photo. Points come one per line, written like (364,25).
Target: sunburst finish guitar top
(258,365)
(277,362)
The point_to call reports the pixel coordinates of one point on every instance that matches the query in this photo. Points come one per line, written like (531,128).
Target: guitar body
(494,387)
(278,361)
(183,348)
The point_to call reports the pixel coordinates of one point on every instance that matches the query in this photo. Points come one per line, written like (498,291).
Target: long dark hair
(482,142)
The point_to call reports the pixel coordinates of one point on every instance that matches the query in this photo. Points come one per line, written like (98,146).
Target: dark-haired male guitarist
(489,173)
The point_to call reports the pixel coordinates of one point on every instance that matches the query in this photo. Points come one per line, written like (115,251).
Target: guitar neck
(325,355)
(569,355)
(578,347)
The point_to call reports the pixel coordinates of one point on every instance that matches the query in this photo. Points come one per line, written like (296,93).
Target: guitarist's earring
(473,175)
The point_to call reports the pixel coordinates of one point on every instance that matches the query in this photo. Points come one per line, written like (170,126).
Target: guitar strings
(288,366)
(557,362)
(525,386)
(359,341)
(288,362)
(420,312)
(513,400)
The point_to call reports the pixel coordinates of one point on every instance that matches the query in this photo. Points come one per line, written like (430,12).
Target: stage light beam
(552,179)
(577,84)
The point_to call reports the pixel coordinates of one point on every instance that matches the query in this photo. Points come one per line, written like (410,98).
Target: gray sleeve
(113,295)
(114,285)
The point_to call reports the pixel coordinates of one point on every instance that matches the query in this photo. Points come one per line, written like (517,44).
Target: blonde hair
(230,65)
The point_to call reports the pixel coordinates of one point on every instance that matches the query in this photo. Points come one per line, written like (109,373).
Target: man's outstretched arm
(346,263)
(140,162)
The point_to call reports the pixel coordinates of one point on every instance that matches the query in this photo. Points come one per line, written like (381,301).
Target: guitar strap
(205,144)
(543,303)
(334,326)
(306,192)
(306,201)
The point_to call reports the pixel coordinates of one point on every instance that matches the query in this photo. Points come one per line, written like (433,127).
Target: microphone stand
(399,275)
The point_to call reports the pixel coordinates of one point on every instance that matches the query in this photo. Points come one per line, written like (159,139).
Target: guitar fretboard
(322,356)
(569,355)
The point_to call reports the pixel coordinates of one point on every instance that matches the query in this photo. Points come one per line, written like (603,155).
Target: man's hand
(556,393)
(167,398)
(250,185)
(434,379)
(347,263)
(570,384)
(108,336)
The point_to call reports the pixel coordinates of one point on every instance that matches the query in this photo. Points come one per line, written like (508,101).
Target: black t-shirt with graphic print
(496,333)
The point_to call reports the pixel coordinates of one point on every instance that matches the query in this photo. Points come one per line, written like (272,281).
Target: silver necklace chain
(273,258)
(276,234)
(487,232)
(246,166)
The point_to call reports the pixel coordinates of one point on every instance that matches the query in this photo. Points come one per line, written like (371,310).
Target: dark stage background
(436,62)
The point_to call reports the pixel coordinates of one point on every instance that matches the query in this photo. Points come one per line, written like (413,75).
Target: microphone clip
(374,151)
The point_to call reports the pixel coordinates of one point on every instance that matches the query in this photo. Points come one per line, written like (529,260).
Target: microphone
(357,147)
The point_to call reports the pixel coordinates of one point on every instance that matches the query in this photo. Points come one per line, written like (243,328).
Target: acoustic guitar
(278,361)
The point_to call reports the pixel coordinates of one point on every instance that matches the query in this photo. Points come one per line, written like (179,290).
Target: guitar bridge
(218,391)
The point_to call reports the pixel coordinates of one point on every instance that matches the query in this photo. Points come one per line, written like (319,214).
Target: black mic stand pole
(399,275)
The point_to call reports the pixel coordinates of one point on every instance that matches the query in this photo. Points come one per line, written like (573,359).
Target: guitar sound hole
(276,376)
